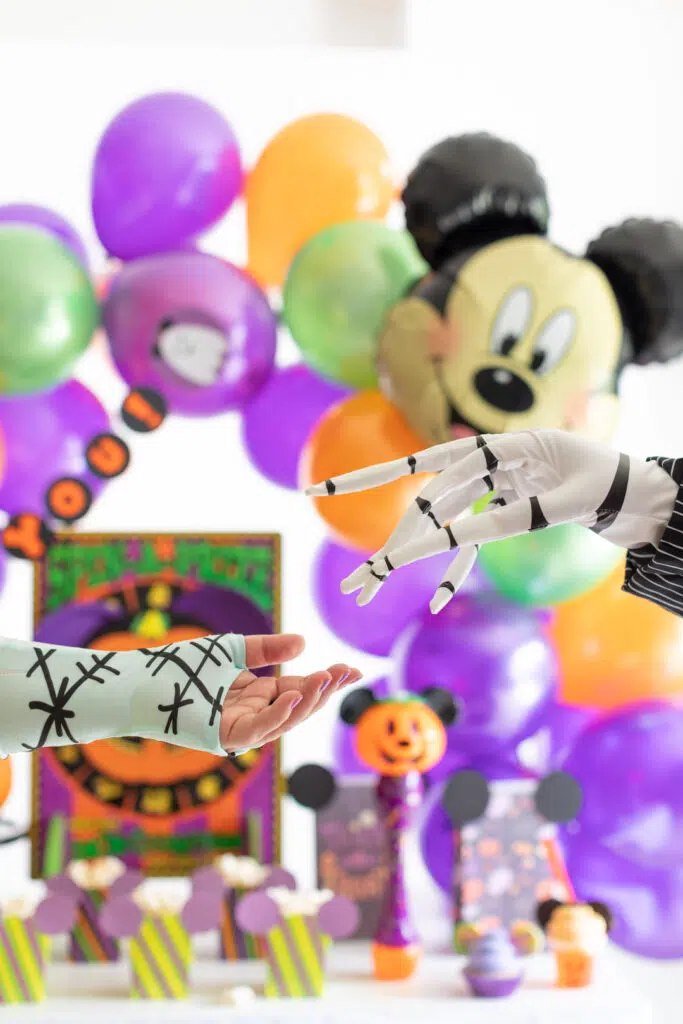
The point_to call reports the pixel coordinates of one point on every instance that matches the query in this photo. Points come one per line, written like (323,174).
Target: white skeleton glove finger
(548,477)
(53,696)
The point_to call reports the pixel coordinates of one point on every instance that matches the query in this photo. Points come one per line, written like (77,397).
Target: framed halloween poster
(162,808)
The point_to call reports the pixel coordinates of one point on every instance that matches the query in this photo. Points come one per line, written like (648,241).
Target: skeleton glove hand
(541,478)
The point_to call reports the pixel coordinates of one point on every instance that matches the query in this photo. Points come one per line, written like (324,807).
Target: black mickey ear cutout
(605,913)
(559,798)
(312,786)
(465,797)
(442,704)
(545,910)
(356,704)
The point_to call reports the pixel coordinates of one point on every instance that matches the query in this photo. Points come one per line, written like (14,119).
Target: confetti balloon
(278,421)
(166,169)
(46,436)
(338,291)
(49,310)
(361,431)
(630,765)
(47,220)
(614,648)
(320,170)
(548,567)
(192,327)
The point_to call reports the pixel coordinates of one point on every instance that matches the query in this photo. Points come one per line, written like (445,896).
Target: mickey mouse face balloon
(192,327)
(509,332)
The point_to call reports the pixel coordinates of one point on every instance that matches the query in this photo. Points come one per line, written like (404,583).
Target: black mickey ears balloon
(472,178)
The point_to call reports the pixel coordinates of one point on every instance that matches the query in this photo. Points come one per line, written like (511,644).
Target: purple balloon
(346,760)
(630,765)
(193,327)
(48,220)
(548,748)
(166,169)
(496,659)
(46,435)
(278,421)
(646,903)
(376,627)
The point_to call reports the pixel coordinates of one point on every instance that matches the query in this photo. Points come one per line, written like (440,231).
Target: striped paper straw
(236,944)
(88,944)
(23,955)
(295,954)
(160,957)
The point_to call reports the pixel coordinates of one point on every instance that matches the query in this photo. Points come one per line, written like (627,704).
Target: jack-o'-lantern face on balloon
(401,735)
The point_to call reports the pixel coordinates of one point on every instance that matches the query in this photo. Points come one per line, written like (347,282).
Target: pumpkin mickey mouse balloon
(508,331)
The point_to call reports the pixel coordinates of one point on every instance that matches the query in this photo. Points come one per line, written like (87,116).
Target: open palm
(260,709)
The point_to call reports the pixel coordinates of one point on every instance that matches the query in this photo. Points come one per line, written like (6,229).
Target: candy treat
(227,880)
(577,933)
(159,919)
(493,969)
(87,882)
(297,929)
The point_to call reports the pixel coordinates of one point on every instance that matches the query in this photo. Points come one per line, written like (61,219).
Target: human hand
(541,478)
(260,709)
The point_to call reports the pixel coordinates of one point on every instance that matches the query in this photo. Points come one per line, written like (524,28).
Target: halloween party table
(99,993)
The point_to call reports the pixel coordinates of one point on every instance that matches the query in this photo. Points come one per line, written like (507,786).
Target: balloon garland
(376,314)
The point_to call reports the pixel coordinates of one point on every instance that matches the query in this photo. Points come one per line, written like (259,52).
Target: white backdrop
(593,99)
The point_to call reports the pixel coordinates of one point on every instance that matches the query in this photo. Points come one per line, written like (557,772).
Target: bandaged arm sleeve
(51,696)
(655,571)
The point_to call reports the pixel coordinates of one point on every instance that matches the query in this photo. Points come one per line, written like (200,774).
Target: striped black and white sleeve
(656,572)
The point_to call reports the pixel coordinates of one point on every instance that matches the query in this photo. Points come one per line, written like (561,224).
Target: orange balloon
(361,431)
(5,779)
(614,648)
(319,170)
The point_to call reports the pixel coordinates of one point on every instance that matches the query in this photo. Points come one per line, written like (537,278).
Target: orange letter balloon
(614,648)
(319,170)
(358,432)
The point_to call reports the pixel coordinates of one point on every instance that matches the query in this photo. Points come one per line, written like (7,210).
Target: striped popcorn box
(160,958)
(24,952)
(229,879)
(159,917)
(87,882)
(25,929)
(297,930)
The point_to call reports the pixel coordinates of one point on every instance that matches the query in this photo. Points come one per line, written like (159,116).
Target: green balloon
(548,567)
(48,310)
(339,288)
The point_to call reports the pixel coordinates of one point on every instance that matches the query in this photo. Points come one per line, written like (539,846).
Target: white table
(97,994)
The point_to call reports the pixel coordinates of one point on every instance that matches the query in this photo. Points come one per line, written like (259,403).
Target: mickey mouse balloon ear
(466,797)
(312,786)
(559,797)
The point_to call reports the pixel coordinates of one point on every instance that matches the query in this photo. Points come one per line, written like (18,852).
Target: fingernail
(344,677)
(296,702)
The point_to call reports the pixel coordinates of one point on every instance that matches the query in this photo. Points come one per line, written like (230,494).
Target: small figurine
(494,969)
(577,933)
(401,738)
